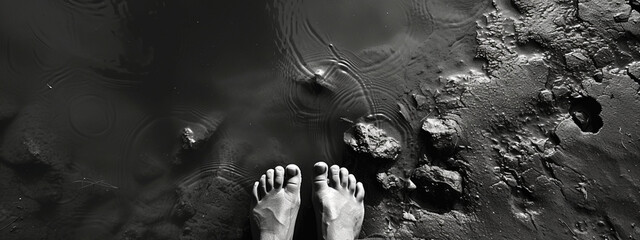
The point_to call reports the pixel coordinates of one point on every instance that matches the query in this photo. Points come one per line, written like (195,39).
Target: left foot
(276,203)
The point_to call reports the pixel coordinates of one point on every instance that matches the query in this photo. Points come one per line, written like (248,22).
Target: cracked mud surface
(516,119)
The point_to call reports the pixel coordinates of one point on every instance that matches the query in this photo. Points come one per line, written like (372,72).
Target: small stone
(183,211)
(421,101)
(434,178)
(409,217)
(603,57)
(368,139)
(634,71)
(411,185)
(622,16)
(560,91)
(444,133)
(404,112)
(577,59)
(188,138)
(546,96)
(581,117)
(598,76)
(389,181)
(510,180)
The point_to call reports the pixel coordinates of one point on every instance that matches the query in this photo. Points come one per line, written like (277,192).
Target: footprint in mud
(585,113)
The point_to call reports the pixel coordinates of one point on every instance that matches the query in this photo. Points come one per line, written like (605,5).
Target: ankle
(278,234)
(338,232)
(268,236)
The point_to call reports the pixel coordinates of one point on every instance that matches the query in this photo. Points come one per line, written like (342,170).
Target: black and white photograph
(319,119)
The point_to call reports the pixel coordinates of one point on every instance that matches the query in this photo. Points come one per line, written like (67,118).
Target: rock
(561,91)
(436,179)
(370,140)
(404,112)
(409,217)
(577,60)
(183,211)
(546,96)
(603,57)
(421,101)
(390,181)
(622,16)
(195,133)
(510,180)
(444,133)
(634,71)
(411,185)
(188,138)
(598,76)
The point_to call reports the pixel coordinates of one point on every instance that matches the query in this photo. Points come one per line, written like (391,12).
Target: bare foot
(338,201)
(276,204)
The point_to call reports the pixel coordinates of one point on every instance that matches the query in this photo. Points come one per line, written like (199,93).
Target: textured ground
(150,120)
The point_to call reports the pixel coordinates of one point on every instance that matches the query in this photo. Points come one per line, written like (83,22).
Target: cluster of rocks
(443,138)
(391,182)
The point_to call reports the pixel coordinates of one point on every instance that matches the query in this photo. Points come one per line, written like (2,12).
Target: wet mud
(503,119)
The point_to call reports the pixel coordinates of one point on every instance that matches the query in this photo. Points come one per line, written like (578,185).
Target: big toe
(293,178)
(320,175)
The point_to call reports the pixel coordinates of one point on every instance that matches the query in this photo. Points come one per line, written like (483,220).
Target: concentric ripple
(346,59)
(91,115)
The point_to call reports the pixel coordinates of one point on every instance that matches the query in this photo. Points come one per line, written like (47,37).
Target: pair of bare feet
(337,201)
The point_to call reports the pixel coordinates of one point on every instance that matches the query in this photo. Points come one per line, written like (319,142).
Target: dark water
(103,90)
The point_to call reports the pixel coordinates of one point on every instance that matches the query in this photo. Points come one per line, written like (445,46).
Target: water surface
(106,88)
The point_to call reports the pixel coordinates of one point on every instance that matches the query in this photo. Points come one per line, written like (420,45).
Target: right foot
(338,201)
(276,203)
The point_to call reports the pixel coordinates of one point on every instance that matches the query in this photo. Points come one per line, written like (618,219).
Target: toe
(293,178)
(269,180)
(255,191)
(344,177)
(262,186)
(320,175)
(352,183)
(278,178)
(334,176)
(359,192)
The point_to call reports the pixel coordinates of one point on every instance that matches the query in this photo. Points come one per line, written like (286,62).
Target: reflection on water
(106,89)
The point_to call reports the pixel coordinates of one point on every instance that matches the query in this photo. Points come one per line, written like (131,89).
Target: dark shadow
(585,112)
